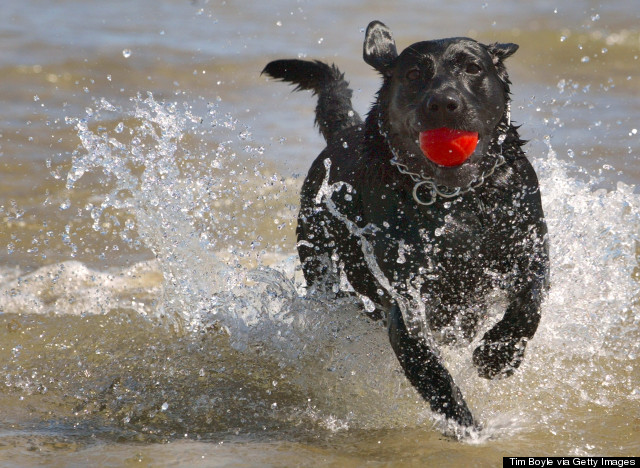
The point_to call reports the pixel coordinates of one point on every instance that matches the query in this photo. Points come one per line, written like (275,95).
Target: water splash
(594,257)
(174,194)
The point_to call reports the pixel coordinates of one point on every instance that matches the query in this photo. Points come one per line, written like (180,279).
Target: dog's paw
(499,359)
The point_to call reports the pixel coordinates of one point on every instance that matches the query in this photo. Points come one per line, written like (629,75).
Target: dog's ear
(499,53)
(379,48)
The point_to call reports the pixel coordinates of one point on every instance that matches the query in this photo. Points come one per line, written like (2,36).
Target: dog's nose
(443,103)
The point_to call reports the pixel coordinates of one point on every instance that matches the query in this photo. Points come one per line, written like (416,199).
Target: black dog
(425,242)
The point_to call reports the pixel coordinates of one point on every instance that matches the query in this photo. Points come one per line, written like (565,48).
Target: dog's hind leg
(426,372)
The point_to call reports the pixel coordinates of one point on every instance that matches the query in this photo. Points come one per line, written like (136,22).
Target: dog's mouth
(448,147)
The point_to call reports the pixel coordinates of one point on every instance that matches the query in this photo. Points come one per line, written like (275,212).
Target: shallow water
(151,302)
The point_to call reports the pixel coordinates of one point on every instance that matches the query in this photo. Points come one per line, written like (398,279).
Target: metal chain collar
(436,190)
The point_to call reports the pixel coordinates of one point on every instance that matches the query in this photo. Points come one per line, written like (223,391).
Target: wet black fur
(453,251)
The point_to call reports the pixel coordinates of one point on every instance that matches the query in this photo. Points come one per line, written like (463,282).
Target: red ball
(448,147)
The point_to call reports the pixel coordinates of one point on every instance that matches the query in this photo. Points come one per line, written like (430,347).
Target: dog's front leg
(426,372)
(502,348)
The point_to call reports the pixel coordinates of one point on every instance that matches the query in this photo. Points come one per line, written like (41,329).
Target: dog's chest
(459,239)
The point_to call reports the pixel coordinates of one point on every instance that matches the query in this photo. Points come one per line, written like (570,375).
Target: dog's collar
(434,189)
(442,191)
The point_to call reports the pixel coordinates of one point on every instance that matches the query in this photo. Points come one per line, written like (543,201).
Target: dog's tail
(334,111)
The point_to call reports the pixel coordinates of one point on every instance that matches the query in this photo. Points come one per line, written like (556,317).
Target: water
(151,301)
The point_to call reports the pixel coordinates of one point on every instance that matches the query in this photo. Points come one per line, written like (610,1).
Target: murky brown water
(150,308)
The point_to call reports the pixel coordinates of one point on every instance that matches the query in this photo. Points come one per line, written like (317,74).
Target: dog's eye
(413,74)
(473,69)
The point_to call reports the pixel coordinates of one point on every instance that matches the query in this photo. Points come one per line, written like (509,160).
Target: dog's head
(455,83)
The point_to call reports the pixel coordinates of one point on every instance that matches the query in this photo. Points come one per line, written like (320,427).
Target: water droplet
(120,127)
(245,135)
(126,53)
(165,406)
(278,23)
(563,38)
(585,59)
(320,40)
(345,145)
(561,84)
